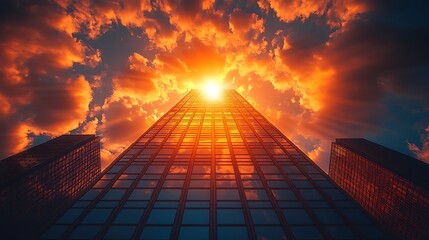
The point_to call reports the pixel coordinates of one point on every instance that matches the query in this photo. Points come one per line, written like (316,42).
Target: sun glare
(212,90)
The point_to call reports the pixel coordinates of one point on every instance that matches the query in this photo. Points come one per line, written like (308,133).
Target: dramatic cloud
(39,93)
(317,69)
(423,152)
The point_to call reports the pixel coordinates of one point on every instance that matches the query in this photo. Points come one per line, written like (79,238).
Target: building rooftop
(405,166)
(26,161)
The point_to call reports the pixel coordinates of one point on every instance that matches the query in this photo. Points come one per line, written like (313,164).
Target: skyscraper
(38,184)
(392,187)
(213,169)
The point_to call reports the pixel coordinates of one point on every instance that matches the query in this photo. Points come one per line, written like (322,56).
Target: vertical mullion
(93,202)
(240,187)
(157,189)
(182,202)
(213,178)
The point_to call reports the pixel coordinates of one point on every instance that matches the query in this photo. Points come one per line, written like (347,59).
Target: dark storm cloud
(382,53)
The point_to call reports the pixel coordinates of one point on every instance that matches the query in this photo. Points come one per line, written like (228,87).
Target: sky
(318,70)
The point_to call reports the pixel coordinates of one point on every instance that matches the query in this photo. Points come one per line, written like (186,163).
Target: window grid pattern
(397,204)
(39,197)
(213,170)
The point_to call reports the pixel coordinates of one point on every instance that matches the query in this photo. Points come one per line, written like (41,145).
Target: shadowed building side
(36,185)
(390,186)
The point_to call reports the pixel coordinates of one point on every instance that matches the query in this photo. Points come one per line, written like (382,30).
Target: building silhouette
(213,170)
(38,184)
(392,187)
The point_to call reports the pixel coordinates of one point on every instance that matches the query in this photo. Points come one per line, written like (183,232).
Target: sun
(212,90)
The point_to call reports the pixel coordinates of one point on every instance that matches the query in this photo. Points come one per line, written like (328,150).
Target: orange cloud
(136,82)
(293,9)
(314,68)
(38,92)
(421,153)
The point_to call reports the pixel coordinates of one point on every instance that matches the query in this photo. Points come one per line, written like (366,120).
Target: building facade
(38,184)
(213,170)
(390,186)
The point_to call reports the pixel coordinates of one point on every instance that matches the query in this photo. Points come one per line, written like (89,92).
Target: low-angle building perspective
(38,184)
(390,186)
(214,119)
(214,168)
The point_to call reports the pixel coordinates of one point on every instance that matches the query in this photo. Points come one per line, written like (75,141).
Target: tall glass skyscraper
(390,186)
(213,170)
(38,184)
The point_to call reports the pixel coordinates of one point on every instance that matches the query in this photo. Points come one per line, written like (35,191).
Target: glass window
(192,204)
(120,232)
(290,204)
(173,183)
(306,232)
(97,216)
(232,233)
(166,204)
(196,216)
(227,194)
(122,183)
(162,216)
(155,169)
(147,183)
(155,233)
(270,233)
(107,204)
(199,184)
(101,184)
(194,233)
(91,194)
(226,184)
(135,204)
(81,204)
(178,169)
(141,194)
(328,216)
(278,184)
(269,169)
(264,216)
(169,194)
(224,169)
(246,169)
(134,168)
(114,194)
(335,194)
(260,204)
(201,169)
(129,216)
(281,194)
(325,184)
(290,169)
(230,216)
(310,194)
(302,184)
(198,194)
(257,194)
(252,184)
(296,216)
(228,204)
